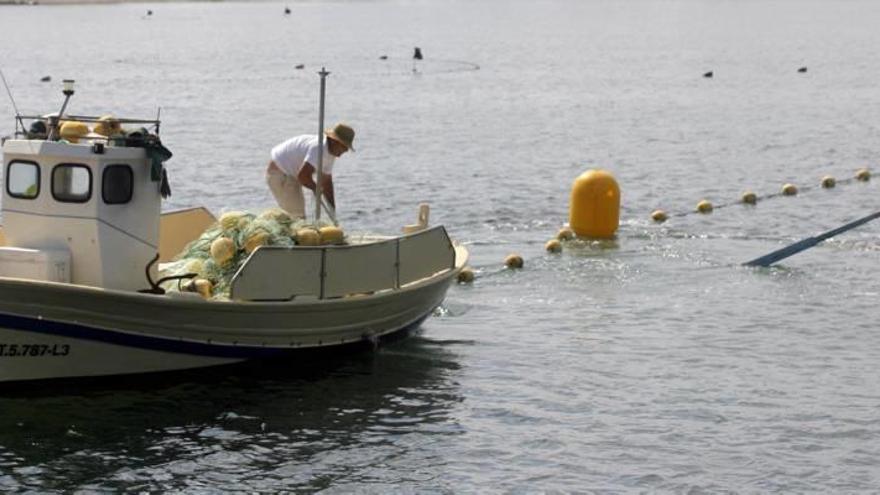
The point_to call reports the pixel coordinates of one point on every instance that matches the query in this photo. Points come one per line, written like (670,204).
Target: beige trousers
(287,191)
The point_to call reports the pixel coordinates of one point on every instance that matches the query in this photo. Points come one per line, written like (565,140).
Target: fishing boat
(83,231)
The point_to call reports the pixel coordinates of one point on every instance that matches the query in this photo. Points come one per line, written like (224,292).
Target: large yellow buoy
(594,210)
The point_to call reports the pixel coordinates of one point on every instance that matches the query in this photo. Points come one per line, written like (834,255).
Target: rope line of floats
(704,206)
(595,208)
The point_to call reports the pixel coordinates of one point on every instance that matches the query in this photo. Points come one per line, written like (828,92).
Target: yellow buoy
(308,237)
(204,287)
(659,216)
(553,246)
(230,219)
(260,238)
(466,275)
(863,174)
(789,190)
(222,250)
(194,266)
(331,235)
(704,206)
(513,261)
(107,126)
(828,182)
(565,234)
(749,198)
(594,209)
(72,130)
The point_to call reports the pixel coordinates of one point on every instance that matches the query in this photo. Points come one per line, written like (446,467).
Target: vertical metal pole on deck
(320,165)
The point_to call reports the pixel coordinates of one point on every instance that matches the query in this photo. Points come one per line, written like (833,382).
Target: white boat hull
(55,330)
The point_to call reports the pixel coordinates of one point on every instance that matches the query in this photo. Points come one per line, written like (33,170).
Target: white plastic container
(49,265)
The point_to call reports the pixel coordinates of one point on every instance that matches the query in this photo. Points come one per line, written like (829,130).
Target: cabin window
(23,180)
(117,184)
(71,183)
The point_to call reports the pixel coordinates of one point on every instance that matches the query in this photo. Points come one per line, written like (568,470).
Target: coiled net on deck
(217,254)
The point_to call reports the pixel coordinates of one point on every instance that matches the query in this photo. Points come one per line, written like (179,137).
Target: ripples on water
(656,363)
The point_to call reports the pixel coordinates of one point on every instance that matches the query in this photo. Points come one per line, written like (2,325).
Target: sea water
(653,363)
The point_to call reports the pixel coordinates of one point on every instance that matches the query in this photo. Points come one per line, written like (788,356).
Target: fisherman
(294,165)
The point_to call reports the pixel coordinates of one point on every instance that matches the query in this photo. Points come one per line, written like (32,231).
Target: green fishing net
(218,253)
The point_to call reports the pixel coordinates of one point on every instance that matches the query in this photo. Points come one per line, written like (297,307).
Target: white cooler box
(35,264)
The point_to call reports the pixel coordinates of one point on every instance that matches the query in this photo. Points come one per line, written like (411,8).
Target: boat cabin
(83,210)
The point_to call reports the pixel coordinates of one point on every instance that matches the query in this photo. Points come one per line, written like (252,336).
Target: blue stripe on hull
(74,331)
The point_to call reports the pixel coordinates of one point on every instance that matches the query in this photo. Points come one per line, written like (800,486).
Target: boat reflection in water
(317,428)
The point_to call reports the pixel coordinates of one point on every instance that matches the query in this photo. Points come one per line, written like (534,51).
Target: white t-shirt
(293,153)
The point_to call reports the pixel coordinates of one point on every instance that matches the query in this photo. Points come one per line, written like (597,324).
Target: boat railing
(274,273)
(23,131)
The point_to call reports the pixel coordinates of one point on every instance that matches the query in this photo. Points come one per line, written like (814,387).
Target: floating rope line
(750,198)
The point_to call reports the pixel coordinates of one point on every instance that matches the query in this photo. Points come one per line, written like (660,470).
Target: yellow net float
(466,275)
(704,206)
(222,250)
(828,182)
(749,198)
(659,216)
(308,237)
(331,235)
(108,126)
(231,219)
(256,240)
(863,174)
(513,261)
(553,246)
(204,287)
(789,190)
(565,234)
(72,130)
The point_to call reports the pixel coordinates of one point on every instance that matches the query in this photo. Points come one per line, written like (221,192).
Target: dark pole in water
(804,244)
(320,165)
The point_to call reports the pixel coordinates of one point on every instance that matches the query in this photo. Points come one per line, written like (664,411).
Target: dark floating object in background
(802,70)
(417,54)
(300,66)
(45,78)
(286,10)
(708,74)
(383,57)
(149,12)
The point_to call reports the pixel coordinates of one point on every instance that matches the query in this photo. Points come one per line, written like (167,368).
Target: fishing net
(217,254)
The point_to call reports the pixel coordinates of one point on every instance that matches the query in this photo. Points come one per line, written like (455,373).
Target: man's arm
(305,178)
(327,189)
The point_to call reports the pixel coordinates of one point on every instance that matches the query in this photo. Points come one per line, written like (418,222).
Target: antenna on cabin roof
(67,90)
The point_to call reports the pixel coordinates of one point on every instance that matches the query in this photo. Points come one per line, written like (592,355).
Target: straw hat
(342,133)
